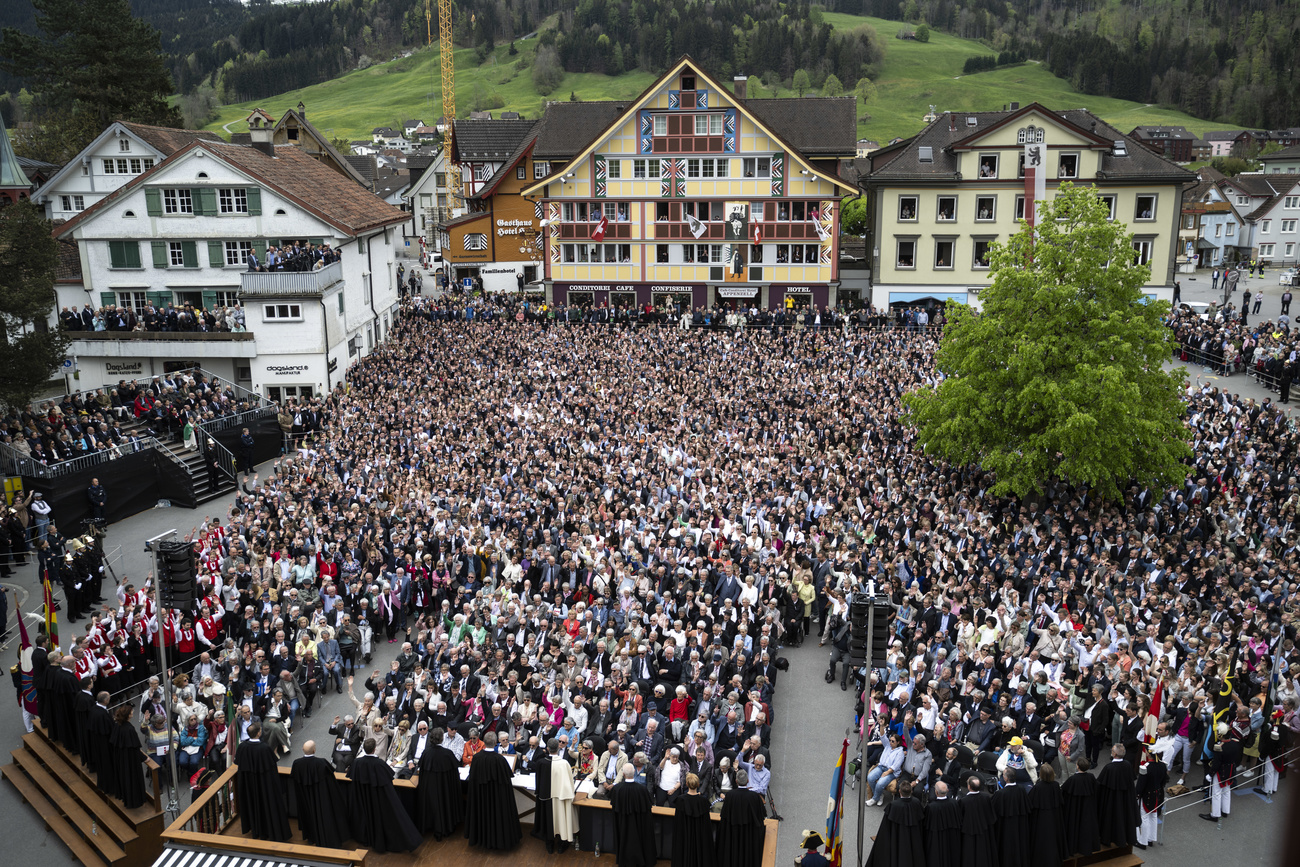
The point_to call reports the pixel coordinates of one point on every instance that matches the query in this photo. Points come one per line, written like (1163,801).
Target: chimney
(260,135)
(740,86)
(1015,106)
(302,110)
(952,122)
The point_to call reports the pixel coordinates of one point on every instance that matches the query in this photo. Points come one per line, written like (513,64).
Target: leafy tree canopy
(1060,377)
(28,256)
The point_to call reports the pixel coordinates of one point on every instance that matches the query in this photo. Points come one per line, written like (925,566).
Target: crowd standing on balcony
(185,318)
(294,256)
(614,562)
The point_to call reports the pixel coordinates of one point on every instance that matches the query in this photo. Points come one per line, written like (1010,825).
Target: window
(341,303)
(622,212)
(1243,200)
(615,168)
(946,210)
(1146,208)
(567,212)
(1109,202)
(1218,230)
(482,172)
(521,173)
(569,254)
(1020,207)
(540,170)
(1266,250)
(986,207)
(943,251)
(175,254)
(907,208)
(811,253)
(124,254)
(661,254)
(109,167)
(1189,221)
(177,202)
(1291,202)
(148,164)
(283,312)
(688,82)
(1290,250)
(136,301)
(123,167)
(782,254)
(1029,135)
(1142,252)
(688,253)
(124,145)
(906,254)
(1288,226)
(661,124)
(136,166)
(756,254)
(1232,229)
(226,298)
(237,252)
(1068,166)
(233,201)
(1265,226)
(661,212)
(988,165)
(73,203)
(293,133)
(708,124)
(611,211)
(981,257)
(756,167)
(692,168)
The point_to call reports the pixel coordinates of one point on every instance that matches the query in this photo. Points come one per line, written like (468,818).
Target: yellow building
(692,193)
(939,200)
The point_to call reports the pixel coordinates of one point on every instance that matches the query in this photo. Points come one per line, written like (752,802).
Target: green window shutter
(209,298)
(259,247)
(116,255)
(132,253)
(107,299)
(153,202)
(205,201)
(190,254)
(254,201)
(159,253)
(216,254)
(159,299)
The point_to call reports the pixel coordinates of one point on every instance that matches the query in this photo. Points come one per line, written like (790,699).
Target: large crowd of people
(602,537)
(171,317)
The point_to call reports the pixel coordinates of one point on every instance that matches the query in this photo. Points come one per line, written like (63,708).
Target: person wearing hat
(1020,762)
(1223,767)
(40,510)
(1152,777)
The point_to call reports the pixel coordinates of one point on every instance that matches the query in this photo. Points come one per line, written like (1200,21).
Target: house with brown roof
(190,229)
(120,153)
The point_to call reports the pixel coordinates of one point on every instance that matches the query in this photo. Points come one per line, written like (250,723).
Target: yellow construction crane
(447,56)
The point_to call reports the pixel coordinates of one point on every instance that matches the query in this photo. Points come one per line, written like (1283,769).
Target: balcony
(279,284)
(163,344)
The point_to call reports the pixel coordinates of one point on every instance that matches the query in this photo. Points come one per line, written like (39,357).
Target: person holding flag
(26,674)
(51,619)
(835,810)
(1153,776)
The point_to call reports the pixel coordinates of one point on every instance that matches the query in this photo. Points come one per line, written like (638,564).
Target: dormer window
(124,145)
(688,82)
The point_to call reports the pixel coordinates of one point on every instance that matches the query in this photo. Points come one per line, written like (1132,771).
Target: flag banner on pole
(598,233)
(1152,721)
(27,684)
(51,619)
(232,727)
(758,234)
(835,810)
(697,228)
(817,225)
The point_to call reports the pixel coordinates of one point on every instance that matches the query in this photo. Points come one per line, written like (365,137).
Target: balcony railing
(281,283)
(163,336)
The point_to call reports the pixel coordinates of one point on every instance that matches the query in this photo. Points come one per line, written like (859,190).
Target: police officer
(98,500)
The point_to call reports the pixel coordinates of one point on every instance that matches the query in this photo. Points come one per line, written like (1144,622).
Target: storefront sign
(794,290)
(123,368)
(737,291)
(507,270)
(287,369)
(514,227)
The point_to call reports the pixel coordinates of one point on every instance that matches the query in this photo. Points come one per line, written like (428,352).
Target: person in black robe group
(1117,809)
(322,806)
(440,806)
(544,816)
(900,840)
(693,828)
(1153,776)
(978,827)
(491,817)
(1011,806)
(1046,824)
(99,731)
(379,822)
(1080,798)
(741,831)
(61,702)
(82,702)
(262,810)
(942,828)
(127,759)
(634,830)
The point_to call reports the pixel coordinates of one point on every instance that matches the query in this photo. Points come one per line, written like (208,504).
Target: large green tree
(92,62)
(29,353)
(1060,376)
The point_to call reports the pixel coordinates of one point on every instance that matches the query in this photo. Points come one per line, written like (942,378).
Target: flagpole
(173,803)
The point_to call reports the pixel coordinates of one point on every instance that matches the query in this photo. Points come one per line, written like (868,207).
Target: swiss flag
(598,233)
(758,234)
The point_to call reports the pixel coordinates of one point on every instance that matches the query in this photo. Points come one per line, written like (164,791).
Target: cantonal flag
(1152,720)
(835,810)
(51,619)
(27,687)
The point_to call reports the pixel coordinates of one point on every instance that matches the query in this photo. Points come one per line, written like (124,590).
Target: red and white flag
(1152,720)
(598,233)
(758,234)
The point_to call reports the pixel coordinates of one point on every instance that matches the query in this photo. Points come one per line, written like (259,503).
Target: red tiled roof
(168,140)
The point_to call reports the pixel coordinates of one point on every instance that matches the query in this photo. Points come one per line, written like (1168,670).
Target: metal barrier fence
(16,463)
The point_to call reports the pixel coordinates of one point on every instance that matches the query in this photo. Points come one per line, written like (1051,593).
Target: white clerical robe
(564,814)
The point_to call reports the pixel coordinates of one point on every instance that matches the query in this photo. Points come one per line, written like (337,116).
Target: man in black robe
(440,806)
(942,827)
(544,817)
(978,827)
(262,810)
(1117,810)
(1011,806)
(380,822)
(82,702)
(99,728)
(1080,796)
(491,817)
(60,703)
(741,831)
(322,806)
(1046,809)
(634,830)
(900,840)
(127,759)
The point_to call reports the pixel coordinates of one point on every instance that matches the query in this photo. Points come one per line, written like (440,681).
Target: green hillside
(914,76)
